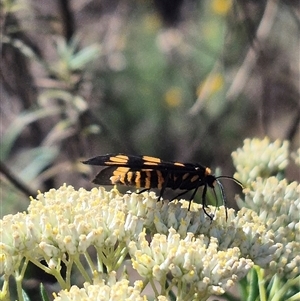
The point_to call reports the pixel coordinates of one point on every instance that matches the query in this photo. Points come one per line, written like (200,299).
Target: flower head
(273,199)
(18,238)
(194,262)
(277,204)
(244,229)
(71,221)
(203,257)
(260,158)
(110,290)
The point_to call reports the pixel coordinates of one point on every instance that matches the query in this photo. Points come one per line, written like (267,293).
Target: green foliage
(15,129)
(44,293)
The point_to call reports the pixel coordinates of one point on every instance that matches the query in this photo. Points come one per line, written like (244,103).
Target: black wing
(144,163)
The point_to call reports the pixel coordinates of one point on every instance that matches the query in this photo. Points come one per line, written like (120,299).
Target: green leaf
(37,159)
(19,124)
(44,293)
(84,56)
(25,296)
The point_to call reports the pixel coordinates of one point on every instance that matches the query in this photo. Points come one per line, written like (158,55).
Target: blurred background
(184,80)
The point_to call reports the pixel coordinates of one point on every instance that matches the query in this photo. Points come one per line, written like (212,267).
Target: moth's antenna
(223,196)
(223,191)
(217,203)
(232,179)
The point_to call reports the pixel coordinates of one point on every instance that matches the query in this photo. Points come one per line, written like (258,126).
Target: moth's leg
(204,205)
(163,188)
(180,194)
(143,190)
(192,197)
(184,192)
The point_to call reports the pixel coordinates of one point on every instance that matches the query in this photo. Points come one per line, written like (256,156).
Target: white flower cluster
(260,158)
(272,199)
(177,216)
(69,221)
(110,290)
(194,262)
(278,204)
(17,234)
(203,257)
(244,229)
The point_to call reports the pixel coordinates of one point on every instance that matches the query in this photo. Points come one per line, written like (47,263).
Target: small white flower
(277,204)
(17,240)
(197,262)
(260,158)
(110,290)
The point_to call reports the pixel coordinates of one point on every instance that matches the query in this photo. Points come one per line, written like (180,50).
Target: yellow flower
(173,97)
(211,85)
(221,7)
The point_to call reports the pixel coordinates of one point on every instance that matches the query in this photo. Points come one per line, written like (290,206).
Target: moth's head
(211,181)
